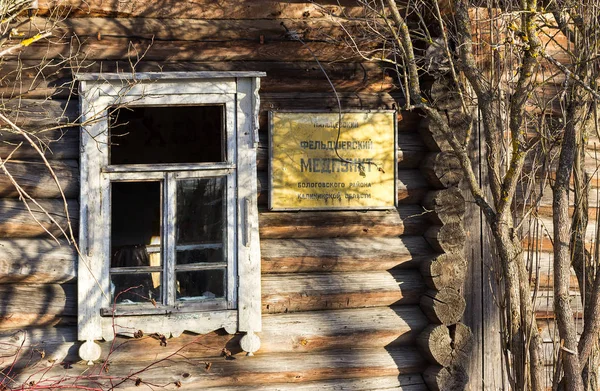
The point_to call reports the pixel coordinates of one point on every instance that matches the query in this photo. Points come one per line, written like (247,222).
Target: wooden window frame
(237,92)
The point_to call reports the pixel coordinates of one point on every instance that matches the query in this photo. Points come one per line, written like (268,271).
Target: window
(169,225)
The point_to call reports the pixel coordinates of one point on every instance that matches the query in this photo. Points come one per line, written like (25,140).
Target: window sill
(179,308)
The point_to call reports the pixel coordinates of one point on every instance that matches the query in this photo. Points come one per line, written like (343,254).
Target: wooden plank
(17,222)
(36,261)
(201,9)
(18,321)
(281,293)
(112,48)
(335,254)
(45,261)
(308,29)
(307,292)
(486,364)
(35,178)
(406,220)
(56,144)
(360,85)
(38,300)
(282,333)
(33,114)
(259,370)
(397,383)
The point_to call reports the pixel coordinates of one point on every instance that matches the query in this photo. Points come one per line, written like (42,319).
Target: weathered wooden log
(434,137)
(446,238)
(360,85)
(36,261)
(44,261)
(16,221)
(34,114)
(445,206)
(442,169)
(446,346)
(18,321)
(201,9)
(439,378)
(364,328)
(406,220)
(342,254)
(436,345)
(445,306)
(313,28)
(258,370)
(282,333)
(444,271)
(113,48)
(280,293)
(306,292)
(462,339)
(35,178)
(38,300)
(397,383)
(56,144)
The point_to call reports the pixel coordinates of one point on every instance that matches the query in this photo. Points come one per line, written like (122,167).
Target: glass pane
(135,224)
(200,255)
(136,288)
(200,285)
(170,134)
(200,220)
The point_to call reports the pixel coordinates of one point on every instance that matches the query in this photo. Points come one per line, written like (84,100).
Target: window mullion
(169,238)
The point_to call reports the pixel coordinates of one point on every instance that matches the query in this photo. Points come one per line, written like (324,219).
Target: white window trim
(238,91)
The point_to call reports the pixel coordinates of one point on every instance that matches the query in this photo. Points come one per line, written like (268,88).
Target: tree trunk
(562,257)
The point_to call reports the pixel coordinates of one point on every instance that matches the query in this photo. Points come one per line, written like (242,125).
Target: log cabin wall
(346,295)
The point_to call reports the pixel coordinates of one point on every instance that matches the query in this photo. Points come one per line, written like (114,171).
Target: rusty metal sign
(319,161)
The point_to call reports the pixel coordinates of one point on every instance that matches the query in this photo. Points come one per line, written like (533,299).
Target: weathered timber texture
(340,289)
(36,261)
(113,48)
(56,144)
(280,293)
(16,221)
(398,383)
(286,333)
(440,378)
(445,306)
(36,179)
(46,261)
(406,220)
(442,170)
(446,238)
(444,206)
(446,346)
(38,300)
(306,292)
(342,254)
(202,9)
(313,28)
(258,370)
(445,271)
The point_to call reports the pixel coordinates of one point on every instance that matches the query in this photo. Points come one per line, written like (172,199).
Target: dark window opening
(135,241)
(166,134)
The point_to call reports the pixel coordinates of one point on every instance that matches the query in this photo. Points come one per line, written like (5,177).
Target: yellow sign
(320,162)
